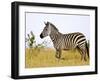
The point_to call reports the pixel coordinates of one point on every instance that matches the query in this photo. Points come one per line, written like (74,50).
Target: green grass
(46,58)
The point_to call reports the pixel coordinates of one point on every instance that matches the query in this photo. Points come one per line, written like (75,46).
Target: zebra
(68,41)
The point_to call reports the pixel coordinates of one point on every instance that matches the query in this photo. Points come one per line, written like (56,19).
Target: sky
(66,23)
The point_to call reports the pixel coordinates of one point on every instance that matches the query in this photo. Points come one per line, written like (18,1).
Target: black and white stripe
(65,41)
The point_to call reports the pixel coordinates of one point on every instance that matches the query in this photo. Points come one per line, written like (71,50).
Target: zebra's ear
(45,23)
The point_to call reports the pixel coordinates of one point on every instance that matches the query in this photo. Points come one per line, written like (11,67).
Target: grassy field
(46,58)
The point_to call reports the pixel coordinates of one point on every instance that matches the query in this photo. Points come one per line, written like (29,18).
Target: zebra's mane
(53,26)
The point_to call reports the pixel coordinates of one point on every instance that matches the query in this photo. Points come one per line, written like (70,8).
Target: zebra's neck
(54,36)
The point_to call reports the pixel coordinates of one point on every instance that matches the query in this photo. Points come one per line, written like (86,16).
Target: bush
(32,43)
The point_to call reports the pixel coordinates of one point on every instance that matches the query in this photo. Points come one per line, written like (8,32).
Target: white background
(5,40)
(33,71)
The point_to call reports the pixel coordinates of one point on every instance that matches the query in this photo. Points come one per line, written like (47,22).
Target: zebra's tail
(87,48)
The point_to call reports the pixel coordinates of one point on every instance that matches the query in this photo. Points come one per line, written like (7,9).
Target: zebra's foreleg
(58,54)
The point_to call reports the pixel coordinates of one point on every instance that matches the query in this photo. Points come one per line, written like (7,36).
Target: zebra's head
(46,31)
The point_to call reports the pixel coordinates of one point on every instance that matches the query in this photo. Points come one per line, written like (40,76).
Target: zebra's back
(72,40)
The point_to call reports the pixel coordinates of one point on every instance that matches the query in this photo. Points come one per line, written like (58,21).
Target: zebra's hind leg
(82,51)
(84,55)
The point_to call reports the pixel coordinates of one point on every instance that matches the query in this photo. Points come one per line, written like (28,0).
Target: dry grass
(46,58)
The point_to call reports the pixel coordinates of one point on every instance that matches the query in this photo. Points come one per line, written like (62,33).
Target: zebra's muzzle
(41,36)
